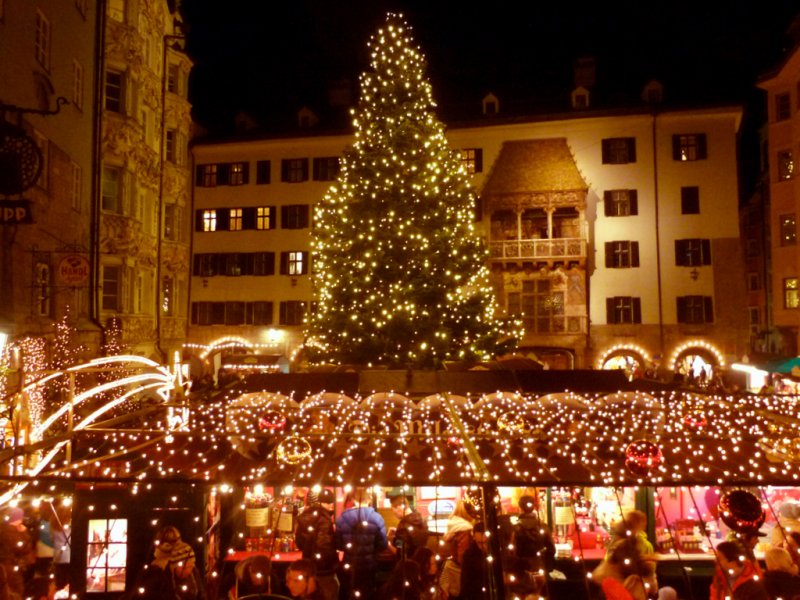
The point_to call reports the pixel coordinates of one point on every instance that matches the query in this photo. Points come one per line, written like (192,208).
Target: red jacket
(719,586)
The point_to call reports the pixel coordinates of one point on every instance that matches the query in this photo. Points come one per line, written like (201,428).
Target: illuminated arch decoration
(633,352)
(228,343)
(702,347)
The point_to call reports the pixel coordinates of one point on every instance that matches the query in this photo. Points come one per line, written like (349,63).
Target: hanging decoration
(643,457)
(293,450)
(271,421)
(741,511)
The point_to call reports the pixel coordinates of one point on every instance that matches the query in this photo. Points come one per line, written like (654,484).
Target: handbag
(450,579)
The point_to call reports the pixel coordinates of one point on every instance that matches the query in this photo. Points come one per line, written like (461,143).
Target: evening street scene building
(579,308)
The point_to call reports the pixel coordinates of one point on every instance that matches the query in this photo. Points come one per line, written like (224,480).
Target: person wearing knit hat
(174,556)
(314,537)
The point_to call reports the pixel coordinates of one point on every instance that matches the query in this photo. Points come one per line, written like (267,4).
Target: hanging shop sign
(73,270)
(15,212)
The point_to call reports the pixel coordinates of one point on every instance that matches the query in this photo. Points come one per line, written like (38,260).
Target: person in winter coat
(780,578)
(404,583)
(361,534)
(459,531)
(16,549)
(532,539)
(315,538)
(301,581)
(474,570)
(411,532)
(733,572)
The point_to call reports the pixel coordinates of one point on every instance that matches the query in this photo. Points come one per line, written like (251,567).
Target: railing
(547,249)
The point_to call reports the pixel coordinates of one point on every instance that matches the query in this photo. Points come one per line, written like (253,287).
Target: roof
(534,166)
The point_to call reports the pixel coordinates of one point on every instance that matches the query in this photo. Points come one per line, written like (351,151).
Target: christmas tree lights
(401,276)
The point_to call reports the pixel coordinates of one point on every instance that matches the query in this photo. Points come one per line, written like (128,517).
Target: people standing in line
(301,581)
(533,542)
(315,538)
(474,570)
(781,577)
(428,574)
(403,583)
(361,535)
(16,549)
(734,576)
(411,532)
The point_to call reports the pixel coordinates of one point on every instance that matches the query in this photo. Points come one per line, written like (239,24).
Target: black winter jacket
(315,538)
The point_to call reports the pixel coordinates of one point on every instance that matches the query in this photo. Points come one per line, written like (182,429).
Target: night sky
(268,57)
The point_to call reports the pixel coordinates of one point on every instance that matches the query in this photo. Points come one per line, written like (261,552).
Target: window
(618,151)
(472,159)
(77,84)
(695,309)
(294,263)
(541,308)
(788,230)
(692,253)
(42,41)
(754,317)
(44,147)
(42,288)
(260,313)
(294,216)
(622,255)
(753,282)
(264,263)
(173,79)
(690,200)
(172,222)
(783,106)
(77,185)
(785,165)
(620,203)
(292,312)
(116,10)
(170,145)
(294,170)
(689,146)
(235,219)
(111,288)
(326,168)
(262,172)
(206,175)
(623,309)
(114,91)
(205,265)
(265,217)
(234,263)
(234,313)
(237,173)
(751,248)
(106,555)
(791,292)
(209,220)
(168,295)
(112,189)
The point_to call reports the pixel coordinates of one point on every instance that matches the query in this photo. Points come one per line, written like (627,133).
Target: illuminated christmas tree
(400,270)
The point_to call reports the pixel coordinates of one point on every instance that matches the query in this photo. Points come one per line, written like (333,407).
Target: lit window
(106,555)
(42,44)
(210,220)
(264,217)
(788,230)
(235,219)
(472,159)
(785,165)
(689,146)
(237,174)
(791,292)
(296,263)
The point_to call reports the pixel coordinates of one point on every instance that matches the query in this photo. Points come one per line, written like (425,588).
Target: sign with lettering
(73,270)
(15,212)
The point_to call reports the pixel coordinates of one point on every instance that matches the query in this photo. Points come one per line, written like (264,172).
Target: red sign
(73,270)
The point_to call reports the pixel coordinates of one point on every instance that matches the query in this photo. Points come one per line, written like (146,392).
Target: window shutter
(706,252)
(198,175)
(248,260)
(198,220)
(702,149)
(304,214)
(610,311)
(269,267)
(282,316)
(273,217)
(316,175)
(607,206)
(284,170)
(284,263)
(249,217)
(680,257)
(632,150)
(223,171)
(676,147)
(306,263)
(263,171)
(605,145)
(634,254)
(479,160)
(284,216)
(609,255)
(681,309)
(246,172)
(305,169)
(196,265)
(637,309)
(223,219)
(633,200)
(708,309)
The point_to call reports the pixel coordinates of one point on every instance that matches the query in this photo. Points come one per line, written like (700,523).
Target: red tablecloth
(277,557)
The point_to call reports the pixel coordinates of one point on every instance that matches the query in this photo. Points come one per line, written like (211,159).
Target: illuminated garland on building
(400,271)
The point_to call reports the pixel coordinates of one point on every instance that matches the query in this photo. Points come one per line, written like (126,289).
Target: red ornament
(271,421)
(695,420)
(643,457)
(741,511)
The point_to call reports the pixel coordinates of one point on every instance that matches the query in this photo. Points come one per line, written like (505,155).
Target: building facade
(613,236)
(782,88)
